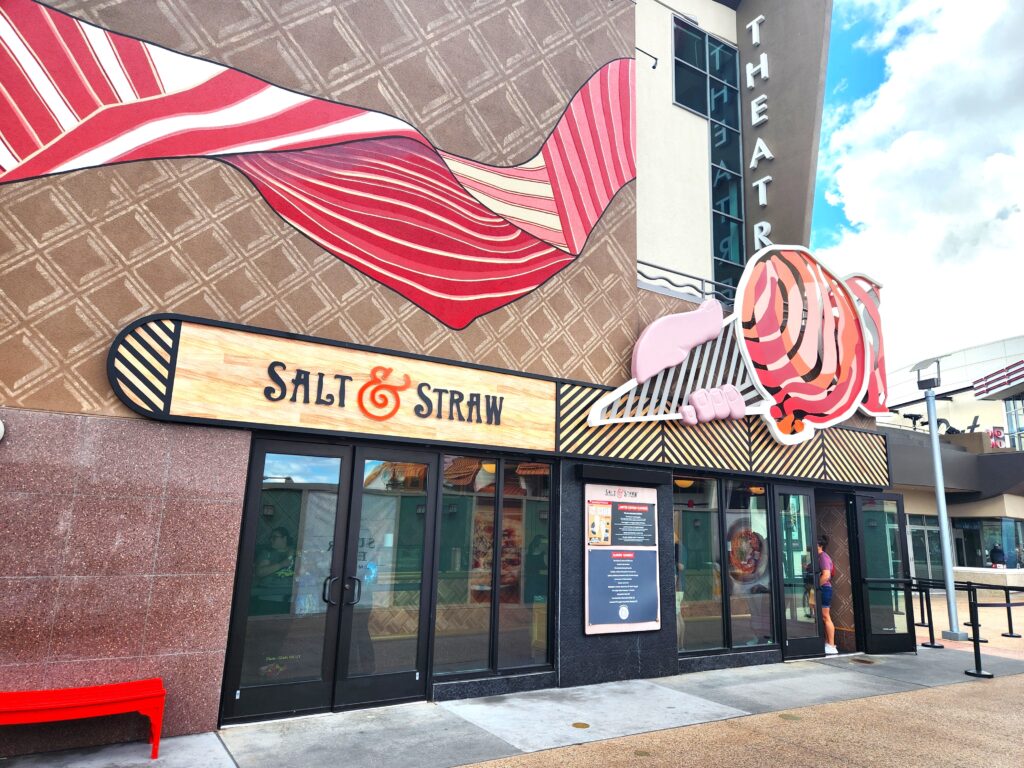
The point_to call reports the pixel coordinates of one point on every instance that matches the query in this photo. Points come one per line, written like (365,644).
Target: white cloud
(929,170)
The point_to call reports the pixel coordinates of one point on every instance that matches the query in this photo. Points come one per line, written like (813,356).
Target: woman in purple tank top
(826,567)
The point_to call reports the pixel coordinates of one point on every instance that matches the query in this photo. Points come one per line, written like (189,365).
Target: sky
(921,167)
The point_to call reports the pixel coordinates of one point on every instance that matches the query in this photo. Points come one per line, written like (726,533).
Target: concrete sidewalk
(519,726)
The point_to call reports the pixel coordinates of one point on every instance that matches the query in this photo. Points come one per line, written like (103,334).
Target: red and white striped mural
(457,237)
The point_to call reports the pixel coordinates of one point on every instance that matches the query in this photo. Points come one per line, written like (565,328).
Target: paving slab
(929,667)
(784,686)
(563,716)
(419,734)
(797,699)
(948,726)
(204,750)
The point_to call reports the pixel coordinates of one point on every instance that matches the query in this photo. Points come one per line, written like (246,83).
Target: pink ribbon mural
(803,349)
(456,237)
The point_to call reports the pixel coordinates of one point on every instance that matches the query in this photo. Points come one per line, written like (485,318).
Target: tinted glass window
(725,104)
(726,192)
(748,548)
(284,631)
(524,549)
(725,148)
(696,522)
(728,238)
(690,46)
(691,88)
(462,633)
(722,61)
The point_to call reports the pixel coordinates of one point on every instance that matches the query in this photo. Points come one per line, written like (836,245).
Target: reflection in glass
(728,275)
(695,520)
(284,631)
(887,613)
(465,558)
(799,555)
(523,565)
(728,234)
(919,553)
(725,104)
(691,88)
(726,190)
(689,46)
(936,571)
(389,564)
(725,147)
(747,547)
(722,61)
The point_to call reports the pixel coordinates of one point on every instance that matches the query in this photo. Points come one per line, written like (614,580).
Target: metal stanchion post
(972,602)
(931,627)
(920,602)
(1009,615)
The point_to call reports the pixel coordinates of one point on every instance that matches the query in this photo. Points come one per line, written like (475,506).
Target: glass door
(382,649)
(885,604)
(798,563)
(919,553)
(284,626)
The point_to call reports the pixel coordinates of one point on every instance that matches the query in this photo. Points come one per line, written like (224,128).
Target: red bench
(143,696)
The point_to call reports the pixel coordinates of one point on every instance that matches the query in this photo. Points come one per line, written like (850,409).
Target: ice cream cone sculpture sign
(802,349)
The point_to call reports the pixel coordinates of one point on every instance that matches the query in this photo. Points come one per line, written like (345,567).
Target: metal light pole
(954,632)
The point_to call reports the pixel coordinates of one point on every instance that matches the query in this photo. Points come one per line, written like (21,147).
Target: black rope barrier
(924,587)
(972,602)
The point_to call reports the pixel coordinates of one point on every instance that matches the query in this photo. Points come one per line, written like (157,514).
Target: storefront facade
(309,403)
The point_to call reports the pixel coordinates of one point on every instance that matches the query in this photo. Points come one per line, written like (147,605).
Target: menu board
(621,592)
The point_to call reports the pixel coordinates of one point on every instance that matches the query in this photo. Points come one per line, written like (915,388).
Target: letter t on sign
(755,30)
(762,190)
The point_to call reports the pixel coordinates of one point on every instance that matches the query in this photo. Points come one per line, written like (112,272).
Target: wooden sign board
(186,369)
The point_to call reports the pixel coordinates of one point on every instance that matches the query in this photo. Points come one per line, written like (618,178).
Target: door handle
(359,590)
(326,593)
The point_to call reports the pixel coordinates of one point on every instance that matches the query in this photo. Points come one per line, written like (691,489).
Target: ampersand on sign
(378,400)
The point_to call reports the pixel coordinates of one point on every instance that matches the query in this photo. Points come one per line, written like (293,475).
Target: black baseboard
(729,660)
(494,686)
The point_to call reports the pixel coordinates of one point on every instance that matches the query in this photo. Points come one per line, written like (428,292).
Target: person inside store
(997,556)
(275,571)
(826,567)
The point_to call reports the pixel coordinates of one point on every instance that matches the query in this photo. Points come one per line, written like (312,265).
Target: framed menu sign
(621,586)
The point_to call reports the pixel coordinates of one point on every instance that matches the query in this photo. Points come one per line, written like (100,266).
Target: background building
(978,412)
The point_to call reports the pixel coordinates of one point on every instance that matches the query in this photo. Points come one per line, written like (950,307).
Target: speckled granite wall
(118,541)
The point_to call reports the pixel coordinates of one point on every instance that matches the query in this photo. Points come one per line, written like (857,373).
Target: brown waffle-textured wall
(83,254)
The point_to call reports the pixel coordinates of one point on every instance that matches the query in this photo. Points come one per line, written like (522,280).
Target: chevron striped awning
(835,455)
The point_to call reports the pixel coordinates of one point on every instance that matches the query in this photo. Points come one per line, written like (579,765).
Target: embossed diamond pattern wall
(83,254)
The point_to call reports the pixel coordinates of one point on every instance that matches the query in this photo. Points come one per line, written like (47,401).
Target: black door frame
(366,690)
(868,641)
(804,647)
(318,446)
(259,702)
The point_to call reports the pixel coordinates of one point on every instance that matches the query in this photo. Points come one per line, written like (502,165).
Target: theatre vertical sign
(621,591)
(783,47)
